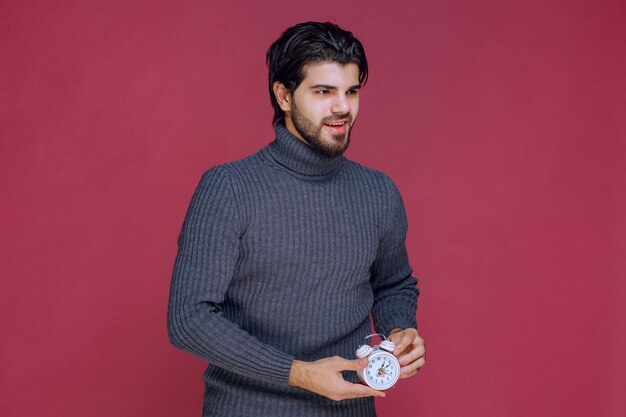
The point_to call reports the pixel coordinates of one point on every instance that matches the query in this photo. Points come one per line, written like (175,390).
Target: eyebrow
(332,87)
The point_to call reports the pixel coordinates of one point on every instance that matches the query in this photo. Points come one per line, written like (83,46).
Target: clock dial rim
(388,385)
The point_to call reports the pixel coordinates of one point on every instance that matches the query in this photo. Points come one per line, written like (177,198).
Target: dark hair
(306,43)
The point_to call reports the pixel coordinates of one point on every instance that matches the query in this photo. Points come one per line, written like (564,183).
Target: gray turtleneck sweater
(284,255)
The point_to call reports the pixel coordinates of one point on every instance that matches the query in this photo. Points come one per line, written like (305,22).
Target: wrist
(295,376)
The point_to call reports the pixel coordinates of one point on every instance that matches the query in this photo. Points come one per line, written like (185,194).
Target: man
(284,255)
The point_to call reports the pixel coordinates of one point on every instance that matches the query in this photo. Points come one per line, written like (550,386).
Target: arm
(395,291)
(208,249)
(207,255)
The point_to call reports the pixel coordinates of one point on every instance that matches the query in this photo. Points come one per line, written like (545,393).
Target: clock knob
(363,351)
(387,345)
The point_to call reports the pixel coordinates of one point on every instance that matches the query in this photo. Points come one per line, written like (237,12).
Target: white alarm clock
(383,369)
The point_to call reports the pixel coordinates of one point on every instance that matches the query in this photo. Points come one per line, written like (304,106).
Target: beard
(334,145)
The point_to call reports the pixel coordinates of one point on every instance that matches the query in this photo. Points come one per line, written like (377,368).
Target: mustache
(347,117)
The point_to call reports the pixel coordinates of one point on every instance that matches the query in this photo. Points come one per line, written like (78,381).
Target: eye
(323,92)
(352,92)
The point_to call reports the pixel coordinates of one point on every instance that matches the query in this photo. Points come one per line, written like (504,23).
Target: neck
(298,156)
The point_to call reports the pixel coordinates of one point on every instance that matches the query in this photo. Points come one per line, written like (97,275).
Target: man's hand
(410,350)
(324,377)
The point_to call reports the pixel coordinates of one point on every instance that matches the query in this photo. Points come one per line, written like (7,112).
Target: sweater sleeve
(208,249)
(395,291)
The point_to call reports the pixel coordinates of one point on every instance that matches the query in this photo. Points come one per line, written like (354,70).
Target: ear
(283,96)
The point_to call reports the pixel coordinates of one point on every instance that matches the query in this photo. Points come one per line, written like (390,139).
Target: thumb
(358,364)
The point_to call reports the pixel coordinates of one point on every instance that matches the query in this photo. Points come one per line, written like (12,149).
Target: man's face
(324,107)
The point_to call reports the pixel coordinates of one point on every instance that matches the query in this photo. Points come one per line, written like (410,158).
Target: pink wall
(502,122)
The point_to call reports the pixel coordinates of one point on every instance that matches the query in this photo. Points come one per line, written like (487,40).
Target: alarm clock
(383,369)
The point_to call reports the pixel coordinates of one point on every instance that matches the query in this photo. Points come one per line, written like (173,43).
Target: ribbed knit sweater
(284,255)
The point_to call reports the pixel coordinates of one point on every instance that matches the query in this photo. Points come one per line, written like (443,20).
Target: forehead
(331,73)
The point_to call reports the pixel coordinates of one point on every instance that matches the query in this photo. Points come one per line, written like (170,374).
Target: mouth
(337,127)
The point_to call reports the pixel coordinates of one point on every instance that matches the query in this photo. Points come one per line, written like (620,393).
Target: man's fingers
(363,391)
(358,390)
(407,337)
(411,369)
(417,352)
(342,389)
(410,351)
(351,365)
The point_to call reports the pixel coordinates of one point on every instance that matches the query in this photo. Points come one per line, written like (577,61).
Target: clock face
(382,371)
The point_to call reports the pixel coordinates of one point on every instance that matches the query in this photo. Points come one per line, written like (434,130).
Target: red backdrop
(502,122)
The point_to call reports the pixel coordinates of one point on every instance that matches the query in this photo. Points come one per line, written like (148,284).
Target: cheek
(354,109)
(319,110)
(313,110)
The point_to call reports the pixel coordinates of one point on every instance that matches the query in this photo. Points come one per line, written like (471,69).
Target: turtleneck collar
(293,154)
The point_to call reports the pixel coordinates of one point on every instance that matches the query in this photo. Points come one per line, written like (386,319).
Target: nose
(340,104)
